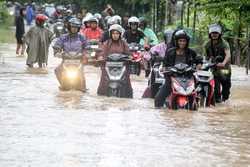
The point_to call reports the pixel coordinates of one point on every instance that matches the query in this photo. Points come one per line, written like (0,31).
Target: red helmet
(40,18)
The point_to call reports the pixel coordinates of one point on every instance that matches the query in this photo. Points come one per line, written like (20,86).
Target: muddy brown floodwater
(41,126)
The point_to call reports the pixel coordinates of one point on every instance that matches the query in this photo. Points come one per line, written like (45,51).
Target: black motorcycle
(156,77)
(116,68)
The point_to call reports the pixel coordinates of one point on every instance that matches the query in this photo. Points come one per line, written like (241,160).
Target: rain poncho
(38,40)
(152,38)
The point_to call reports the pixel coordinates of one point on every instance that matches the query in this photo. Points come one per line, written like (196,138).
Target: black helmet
(181,34)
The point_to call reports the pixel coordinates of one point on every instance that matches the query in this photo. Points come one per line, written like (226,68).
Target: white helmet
(86,18)
(215,28)
(117,19)
(98,16)
(69,11)
(133,19)
(111,21)
(93,19)
(116,27)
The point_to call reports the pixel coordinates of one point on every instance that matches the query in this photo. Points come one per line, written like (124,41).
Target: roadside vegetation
(7,33)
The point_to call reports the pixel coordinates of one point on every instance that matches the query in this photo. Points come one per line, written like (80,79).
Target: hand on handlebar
(220,65)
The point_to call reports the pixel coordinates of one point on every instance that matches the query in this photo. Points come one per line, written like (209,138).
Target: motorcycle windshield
(115,70)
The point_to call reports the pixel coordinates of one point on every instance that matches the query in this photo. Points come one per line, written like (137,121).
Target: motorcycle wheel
(113,92)
(154,89)
(138,69)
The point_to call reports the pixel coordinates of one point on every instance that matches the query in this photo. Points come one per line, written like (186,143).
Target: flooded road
(41,126)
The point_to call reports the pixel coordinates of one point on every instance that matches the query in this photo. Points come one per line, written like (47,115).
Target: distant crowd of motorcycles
(191,88)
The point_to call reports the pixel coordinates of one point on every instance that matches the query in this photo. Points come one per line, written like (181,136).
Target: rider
(161,49)
(179,54)
(134,35)
(85,22)
(58,13)
(125,18)
(71,42)
(157,53)
(110,22)
(93,32)
(153,40)
(114,45)
(217,48)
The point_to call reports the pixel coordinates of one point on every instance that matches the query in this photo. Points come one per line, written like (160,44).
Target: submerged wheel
(113,92)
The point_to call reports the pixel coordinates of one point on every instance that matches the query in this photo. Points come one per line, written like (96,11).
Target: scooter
(183,94)
(116,68)
(137,58)
(205,85)
(156,77)
(71,74)
(92,50)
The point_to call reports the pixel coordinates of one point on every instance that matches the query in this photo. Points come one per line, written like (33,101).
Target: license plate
(114,64)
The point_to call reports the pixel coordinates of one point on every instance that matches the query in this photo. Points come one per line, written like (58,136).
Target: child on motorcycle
(179,54)
(114,45)
(71,42)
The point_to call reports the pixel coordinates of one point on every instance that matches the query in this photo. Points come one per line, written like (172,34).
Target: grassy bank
(7,35)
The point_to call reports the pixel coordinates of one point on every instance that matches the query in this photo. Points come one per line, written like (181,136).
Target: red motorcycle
(137,58)
(183,94)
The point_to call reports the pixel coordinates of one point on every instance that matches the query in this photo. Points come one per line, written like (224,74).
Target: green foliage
(4,16)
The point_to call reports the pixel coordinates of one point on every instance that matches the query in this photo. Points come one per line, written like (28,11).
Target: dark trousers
(163,93)
(225,82)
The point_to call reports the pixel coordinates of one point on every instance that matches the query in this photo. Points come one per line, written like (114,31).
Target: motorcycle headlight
(71,73)
(60,28)
(224,71)
(190,88)
(92,54)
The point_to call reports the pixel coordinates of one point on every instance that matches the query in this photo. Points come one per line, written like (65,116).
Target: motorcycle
(71,73)
(183,94)
(58,28)
(137,58)
(156,77)
(92,49)
(205,84)
(116,68)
